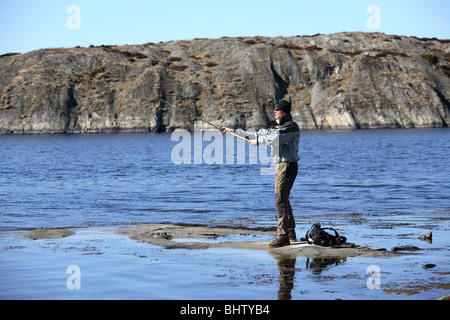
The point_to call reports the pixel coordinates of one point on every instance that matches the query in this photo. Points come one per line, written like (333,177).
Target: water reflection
(286,267)
(286,279)
(317,265)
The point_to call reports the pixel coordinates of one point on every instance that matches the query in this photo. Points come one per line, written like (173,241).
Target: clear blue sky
(27,25)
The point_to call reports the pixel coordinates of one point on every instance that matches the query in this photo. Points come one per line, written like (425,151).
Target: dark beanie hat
(284,105)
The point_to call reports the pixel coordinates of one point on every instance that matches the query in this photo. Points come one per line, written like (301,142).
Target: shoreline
(42,133)
(225,262)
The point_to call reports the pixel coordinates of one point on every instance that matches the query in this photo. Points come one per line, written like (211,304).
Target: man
(283,141)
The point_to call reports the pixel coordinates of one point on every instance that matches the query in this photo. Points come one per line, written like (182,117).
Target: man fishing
(283,141)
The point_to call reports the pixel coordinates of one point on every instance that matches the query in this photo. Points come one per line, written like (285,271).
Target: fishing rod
(211,124)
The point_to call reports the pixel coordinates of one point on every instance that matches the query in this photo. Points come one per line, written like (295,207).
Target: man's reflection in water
(286,267)
(287,273)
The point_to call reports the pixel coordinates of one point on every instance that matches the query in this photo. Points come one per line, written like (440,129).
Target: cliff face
(337,81)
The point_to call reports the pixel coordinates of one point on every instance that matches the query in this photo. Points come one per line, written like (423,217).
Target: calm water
(106,180)
(379,187)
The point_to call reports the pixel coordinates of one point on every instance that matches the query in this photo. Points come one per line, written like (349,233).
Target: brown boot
(279,242)
(292,237)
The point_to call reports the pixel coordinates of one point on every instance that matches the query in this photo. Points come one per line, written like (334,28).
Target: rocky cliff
(336,81)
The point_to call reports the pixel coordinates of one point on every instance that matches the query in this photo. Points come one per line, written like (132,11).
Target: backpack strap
(335,232)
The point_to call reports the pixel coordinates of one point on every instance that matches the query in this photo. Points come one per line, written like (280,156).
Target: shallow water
(114,267)
(377,187)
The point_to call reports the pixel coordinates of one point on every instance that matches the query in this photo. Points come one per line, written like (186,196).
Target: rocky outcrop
(336,81)
(172,236)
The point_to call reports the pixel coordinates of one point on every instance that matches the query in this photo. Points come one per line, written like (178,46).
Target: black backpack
(318,236)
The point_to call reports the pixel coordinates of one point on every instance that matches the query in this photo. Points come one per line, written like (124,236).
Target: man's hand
(227,130)
(253,142)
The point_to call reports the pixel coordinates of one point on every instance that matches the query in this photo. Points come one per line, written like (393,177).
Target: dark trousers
(285,175)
